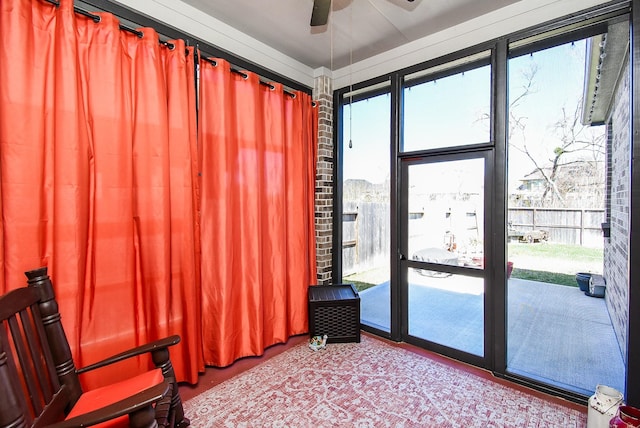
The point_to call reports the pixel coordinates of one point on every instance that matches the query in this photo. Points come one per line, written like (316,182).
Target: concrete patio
(556,334)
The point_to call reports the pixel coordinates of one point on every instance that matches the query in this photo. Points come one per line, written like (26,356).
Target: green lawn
(556,251)
(544,262)
(542,276)
(553,263)
(358,284)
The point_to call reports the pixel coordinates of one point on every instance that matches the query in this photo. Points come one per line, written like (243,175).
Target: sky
(558,83)
(367,124)
(449,112)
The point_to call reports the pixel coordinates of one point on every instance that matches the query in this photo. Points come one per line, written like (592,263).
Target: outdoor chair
(39,383)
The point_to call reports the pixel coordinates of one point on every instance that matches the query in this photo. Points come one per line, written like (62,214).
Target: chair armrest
(123,407)
(143,349)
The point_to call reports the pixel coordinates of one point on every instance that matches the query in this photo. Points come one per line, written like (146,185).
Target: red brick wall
(616,257)
(322,94)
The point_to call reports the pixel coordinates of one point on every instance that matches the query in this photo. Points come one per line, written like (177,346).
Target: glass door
(443,251)
(444,151)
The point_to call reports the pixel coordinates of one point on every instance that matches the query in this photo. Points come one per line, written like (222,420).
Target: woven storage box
(334,310)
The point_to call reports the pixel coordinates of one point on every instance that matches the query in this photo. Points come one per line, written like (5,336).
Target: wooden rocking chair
(39,384)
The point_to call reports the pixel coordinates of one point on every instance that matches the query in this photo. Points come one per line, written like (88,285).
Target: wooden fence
(366,230)
(565,226)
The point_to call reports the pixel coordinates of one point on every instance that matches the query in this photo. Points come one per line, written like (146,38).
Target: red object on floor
(627,417)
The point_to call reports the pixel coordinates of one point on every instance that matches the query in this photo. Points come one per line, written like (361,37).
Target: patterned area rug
(369,384)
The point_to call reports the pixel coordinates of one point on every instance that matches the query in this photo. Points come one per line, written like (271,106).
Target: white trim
(520,15)
(190,20)
(509,19)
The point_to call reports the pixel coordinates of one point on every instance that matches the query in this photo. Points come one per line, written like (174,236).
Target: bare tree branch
(577,145)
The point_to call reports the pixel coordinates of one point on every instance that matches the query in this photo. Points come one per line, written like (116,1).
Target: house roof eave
(605,56)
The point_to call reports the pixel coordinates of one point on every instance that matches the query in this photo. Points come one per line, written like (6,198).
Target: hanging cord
(331,46)
(351,76)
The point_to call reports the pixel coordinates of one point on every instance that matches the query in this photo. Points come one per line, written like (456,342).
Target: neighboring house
(580,185)
(532,183)
(529,192)
(607,101)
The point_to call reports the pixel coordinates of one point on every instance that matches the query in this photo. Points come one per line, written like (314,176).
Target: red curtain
(258,246)
(98,168)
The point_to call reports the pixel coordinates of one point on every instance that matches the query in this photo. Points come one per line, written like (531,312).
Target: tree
(577,152)
(581,144)
(518,125)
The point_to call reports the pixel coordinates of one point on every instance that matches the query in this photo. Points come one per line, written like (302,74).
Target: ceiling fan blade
(320,13)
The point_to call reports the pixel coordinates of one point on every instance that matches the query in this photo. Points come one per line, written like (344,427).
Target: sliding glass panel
(563,329)
(365,206)
(449,111)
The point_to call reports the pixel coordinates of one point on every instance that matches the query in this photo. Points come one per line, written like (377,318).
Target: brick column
(322,95)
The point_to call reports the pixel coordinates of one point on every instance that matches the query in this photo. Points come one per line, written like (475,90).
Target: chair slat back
(29,386)
(39,349)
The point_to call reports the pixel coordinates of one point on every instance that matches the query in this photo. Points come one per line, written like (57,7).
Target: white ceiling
(357,29)
(363,39)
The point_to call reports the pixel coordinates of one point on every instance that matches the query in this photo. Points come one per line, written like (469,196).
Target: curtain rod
(171,46)
(131,15)
(96,19)
(245,75)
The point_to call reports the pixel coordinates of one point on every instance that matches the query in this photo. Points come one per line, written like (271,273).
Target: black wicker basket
(334,310)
